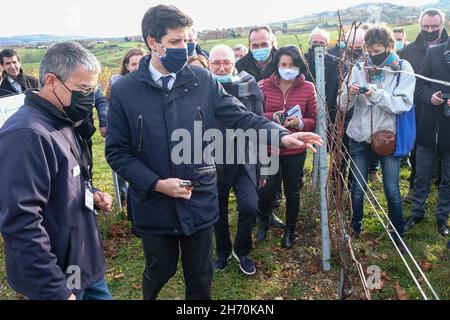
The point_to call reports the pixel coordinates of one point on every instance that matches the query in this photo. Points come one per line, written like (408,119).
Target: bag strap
(398,74)
(371,121)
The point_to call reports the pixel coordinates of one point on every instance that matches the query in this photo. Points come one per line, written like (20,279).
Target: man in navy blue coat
(53,249)
(146,108)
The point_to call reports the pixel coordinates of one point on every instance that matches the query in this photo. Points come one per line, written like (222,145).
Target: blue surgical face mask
(399,45)
(261,55)
(341,44)
(224,79)
(288,74)
(191,48)
(175,59)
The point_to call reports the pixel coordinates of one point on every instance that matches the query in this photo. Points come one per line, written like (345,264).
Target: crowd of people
(48,206)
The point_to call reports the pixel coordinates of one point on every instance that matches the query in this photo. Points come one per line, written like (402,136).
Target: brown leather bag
(383,142)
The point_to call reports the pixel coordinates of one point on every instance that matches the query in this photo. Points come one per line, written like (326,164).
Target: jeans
(247,206)
(362,154)
(292,170)
(426,159)
(97,291)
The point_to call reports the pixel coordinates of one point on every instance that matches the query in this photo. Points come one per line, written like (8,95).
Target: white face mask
(288,74)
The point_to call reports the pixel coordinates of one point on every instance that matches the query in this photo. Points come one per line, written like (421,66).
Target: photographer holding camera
(377,96)
(433,132)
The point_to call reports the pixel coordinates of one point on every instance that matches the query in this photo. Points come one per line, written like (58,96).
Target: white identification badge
(89,199)
(76,171)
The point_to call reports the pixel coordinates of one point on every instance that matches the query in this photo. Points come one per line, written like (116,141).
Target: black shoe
(288,237)
(443,228)
(261,234)
(276,222)
(221,263)
(246,264)
(411,222)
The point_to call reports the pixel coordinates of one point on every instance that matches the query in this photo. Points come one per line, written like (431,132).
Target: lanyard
(76,154)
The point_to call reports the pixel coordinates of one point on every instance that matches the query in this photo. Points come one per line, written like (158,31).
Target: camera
(363,90)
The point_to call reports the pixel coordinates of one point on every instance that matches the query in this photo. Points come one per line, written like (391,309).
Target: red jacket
(302,93)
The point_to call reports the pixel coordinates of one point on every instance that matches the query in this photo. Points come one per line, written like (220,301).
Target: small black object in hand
(445,97)
(363,90)
(186,184)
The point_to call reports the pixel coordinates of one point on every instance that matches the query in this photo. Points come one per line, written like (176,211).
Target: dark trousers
(247,205)
(292,169)
(161,255)
(426,160)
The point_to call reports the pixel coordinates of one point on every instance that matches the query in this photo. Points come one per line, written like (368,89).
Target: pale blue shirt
(156,76)
(15,84)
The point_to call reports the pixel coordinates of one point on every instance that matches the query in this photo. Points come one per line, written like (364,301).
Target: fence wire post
(323,156)
(117,191)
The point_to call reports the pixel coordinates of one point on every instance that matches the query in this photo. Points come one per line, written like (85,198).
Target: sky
(101,18)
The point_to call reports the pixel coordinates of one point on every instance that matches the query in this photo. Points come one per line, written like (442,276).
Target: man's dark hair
(157,20)
(432,12)
(259,28)
(380,35)
(294,53)
(8,53)
(398,30)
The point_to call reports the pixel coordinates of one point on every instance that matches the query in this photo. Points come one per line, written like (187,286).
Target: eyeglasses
(85,91)
(226,64)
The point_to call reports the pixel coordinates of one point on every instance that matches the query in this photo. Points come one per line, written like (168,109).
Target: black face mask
(357,53)
(81,105)
(379,58)
(430,36)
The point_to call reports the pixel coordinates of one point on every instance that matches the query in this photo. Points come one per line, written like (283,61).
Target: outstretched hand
(300,139)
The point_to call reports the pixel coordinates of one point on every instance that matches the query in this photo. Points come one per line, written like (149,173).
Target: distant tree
(285,28)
